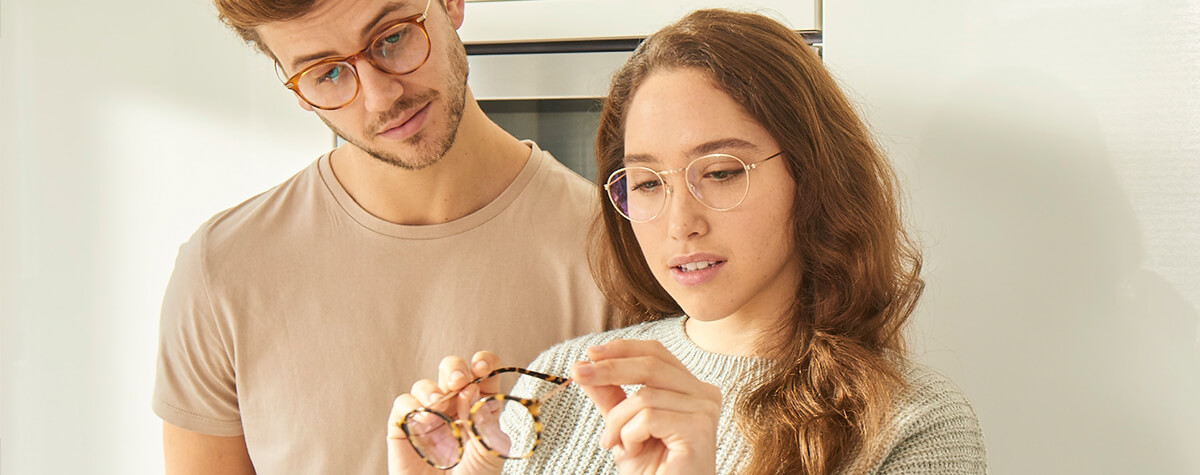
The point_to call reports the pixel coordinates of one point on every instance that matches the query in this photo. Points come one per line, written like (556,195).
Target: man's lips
(406,127)
(402,120)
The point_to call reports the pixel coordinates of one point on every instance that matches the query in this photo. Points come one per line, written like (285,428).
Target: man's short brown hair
(244,15)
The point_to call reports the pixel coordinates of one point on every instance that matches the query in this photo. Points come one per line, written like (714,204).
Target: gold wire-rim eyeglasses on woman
(718,181)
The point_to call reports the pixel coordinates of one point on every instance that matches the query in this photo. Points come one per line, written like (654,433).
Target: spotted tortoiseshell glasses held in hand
(507,426)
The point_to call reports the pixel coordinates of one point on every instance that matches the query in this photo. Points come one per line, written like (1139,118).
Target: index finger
(453,374)
(401,406)
(604,396)
(633,349)
(482,364)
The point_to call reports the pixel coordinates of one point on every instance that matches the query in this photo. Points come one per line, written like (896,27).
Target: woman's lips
(409,127)
(696,272)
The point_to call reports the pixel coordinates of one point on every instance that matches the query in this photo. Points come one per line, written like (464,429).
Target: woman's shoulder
(934,428)
(928,388)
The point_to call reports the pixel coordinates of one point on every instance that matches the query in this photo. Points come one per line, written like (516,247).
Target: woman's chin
(699,311)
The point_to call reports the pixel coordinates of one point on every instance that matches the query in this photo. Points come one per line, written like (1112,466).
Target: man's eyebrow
(386,10)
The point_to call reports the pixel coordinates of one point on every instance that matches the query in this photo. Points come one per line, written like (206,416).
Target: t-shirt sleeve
(195,386)
(939,434)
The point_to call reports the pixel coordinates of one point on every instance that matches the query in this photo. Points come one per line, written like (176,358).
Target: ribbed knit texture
(933,429)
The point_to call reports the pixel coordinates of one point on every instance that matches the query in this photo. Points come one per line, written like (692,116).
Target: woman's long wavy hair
(827,398)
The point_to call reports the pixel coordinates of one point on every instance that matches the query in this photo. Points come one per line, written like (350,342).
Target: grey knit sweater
(933,430)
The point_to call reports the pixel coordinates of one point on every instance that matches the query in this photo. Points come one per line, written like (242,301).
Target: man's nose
(379,89)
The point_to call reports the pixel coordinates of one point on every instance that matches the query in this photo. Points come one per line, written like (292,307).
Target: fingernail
(432,397)
(481,365)
(584,369)
(457,375)
(599,348)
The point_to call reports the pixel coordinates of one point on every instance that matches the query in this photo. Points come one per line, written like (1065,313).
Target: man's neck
(481,164)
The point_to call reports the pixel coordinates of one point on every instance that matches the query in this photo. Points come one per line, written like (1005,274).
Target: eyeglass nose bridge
(691,187)
(667,196)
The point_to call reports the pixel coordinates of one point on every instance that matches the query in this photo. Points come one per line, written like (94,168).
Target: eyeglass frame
(292,82)
(531,405)
(691,189)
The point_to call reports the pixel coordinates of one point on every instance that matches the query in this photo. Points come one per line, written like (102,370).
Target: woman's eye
(646,186)
(721,175)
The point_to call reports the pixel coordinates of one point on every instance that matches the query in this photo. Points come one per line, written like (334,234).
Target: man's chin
(421,154)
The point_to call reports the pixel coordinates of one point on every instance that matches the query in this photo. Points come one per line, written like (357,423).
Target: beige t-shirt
(296,317)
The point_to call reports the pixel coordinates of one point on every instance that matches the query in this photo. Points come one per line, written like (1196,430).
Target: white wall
(1051,151)
(123,125)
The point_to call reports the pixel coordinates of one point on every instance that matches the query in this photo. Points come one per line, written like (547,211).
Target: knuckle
(486,356)
(638,400)
(451,362)
(400,406)
(714,393)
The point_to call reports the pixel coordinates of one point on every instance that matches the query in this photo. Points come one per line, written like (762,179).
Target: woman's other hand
(453,374)
(668,426)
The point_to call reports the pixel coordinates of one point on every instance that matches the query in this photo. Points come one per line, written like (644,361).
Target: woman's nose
(685,216)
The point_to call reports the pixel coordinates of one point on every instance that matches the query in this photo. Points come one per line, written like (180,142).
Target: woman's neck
(738,334)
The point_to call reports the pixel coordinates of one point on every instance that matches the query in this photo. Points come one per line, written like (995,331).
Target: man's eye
(331,75)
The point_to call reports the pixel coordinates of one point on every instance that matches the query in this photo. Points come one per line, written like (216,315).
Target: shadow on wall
(1077,359)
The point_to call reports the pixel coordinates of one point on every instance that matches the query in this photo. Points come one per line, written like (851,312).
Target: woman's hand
(453,374)
(669,426)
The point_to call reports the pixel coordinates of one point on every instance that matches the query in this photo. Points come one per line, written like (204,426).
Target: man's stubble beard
(425,151)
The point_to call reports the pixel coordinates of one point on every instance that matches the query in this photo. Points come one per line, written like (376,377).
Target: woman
(754,243)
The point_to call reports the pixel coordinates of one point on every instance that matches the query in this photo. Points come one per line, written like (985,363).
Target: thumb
(402,458)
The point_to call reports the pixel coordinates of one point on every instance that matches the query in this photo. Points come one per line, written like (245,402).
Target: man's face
(409,120)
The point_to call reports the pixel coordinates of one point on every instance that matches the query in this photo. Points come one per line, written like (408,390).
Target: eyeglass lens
(398,50)
(718,181)
(504,425)
(432,435)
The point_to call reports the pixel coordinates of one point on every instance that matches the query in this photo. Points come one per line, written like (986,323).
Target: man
(292,319)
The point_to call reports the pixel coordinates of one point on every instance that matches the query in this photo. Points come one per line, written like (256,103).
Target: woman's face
(715,264)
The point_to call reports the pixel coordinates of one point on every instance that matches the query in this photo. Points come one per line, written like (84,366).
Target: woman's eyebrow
(639,158)
(722,144)
(705,148)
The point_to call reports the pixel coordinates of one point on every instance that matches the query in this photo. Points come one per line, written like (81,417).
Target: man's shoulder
(258,218)
(556,182)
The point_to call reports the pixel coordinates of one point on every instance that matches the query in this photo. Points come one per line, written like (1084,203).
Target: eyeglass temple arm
(559,380)
(561,386)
